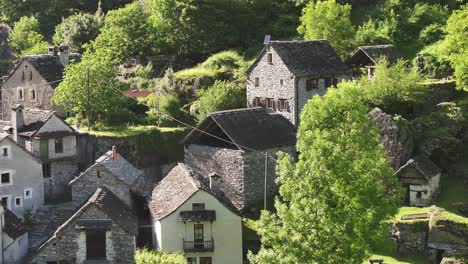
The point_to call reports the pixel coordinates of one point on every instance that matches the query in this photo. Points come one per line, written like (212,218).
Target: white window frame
(26,197)
(18,93)
(21,202)
(9,201)
(31,92)
(11,177)
(8,150)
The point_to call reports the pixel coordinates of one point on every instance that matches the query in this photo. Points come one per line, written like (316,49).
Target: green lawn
(385,252)
(119,132)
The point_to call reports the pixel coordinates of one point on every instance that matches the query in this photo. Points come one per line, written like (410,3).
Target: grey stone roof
(49,66)
(309,58)
(120,167)
(34,119)
(13,225)
(375,52)
(423,164)
(248,128)
(177,187)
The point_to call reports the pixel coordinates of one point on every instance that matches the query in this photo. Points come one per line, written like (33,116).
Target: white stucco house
(21,184)
(421,178)
(14,238)
(192,217)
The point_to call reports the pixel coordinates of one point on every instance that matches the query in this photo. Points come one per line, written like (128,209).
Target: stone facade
(242,173)
(96,176)
(69,244)
(411,237)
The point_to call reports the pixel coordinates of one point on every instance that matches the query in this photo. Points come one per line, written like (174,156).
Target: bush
(163,108)
(145,256)
(229,63)
(433,61)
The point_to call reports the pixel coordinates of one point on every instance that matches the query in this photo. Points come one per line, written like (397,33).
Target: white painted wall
(227,231)
(430,190)
(69,147)
(54,124)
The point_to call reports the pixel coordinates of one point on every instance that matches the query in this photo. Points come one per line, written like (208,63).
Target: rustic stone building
(287,74)
(102,230)
(421,178)
(33,80)
(13,236)
(192,215)
(364,58)
(112,171)
(238,155)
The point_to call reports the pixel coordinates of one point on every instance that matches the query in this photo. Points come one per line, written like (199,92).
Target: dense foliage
(335,200)
(25,38)
(145,256)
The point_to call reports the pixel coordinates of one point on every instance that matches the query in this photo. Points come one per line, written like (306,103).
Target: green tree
(220,96)
(77,30)
(394,88)
(25,39)
(336,199)
(145,256)
(328,20)
(163,108)
(105,98)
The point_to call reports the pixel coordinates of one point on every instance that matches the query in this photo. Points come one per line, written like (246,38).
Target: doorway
(95,244)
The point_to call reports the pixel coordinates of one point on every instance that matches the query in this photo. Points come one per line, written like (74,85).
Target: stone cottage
(238,154)
(53,141)
(33,80)
(102,230)
(421,178)
(21,183)
(364,58)
(112,171)
(287,74)
(13,236)
(192,215)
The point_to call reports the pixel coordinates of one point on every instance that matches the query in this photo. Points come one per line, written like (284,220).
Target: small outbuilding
(13,236)
(366,57)
(421,178)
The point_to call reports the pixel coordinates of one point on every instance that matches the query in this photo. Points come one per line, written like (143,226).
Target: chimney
(64,56)
(215,183)
(17,119)
(114,152)
(53,50)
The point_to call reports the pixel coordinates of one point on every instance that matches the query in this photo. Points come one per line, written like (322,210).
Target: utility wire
(39,85)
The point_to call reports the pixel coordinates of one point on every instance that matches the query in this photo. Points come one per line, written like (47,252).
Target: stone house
(102,230)
(21,184)
(112,171)
(287,74)
(53,141)
(191,215)
(33,79)
(238,154)
(421,177)
(13,236)
(364,58)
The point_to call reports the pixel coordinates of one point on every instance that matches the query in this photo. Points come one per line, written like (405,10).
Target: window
(33,95)
(18,202)
(270,57)
(206,260)
(327,82)
(5,200)
(98,174)
(22,76)
(283,104)
(311,84)
(95,244)
(5,152)
(192,260)
(256,101)
(46,170)
(257,82)
(198,233)
(59,145)
(30,75)
(198,206)
(335,82)
(270,103)
(28,193)
(281,82)
(20,94)
(5,178)
(418,195)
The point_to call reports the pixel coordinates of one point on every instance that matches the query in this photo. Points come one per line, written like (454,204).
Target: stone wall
(411,237)
(62,172)
(69,245)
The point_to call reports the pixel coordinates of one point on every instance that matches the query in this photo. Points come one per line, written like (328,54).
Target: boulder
(396,138)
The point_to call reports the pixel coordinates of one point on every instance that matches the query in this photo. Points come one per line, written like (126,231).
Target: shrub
(145,256)
(163,108)
(433,61)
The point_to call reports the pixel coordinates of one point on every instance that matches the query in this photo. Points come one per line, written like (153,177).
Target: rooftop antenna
(267,40)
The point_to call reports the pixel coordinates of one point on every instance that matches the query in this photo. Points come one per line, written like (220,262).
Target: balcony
(204,246)
(198,216)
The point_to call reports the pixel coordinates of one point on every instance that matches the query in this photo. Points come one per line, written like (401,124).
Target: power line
(34,86)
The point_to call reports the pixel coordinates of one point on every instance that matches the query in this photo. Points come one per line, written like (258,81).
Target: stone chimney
(17,119)
(64,55)
(215,183)
(53,50)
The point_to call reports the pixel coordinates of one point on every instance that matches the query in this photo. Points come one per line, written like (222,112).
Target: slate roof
(249,128)
(308,58)
(375,52)
(423,164)
(6,137)
(120,167)
(177,187)
(34,119)
(14,227)
(49,66)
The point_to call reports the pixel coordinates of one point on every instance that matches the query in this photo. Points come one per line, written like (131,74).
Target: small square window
(257,82)
(27,193)
(191,260)
(270,58)
(5,200)
(98,174)
(5,178)
(18,202)
(59,145)
(5,152)
(281,82)
(198,206)
(311,84)
(327,82)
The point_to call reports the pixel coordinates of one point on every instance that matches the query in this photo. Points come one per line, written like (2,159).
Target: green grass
(406,210)
(386,250)
(119,132)
(195,72)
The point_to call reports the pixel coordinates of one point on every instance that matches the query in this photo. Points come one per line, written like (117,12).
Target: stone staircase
(46,220)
